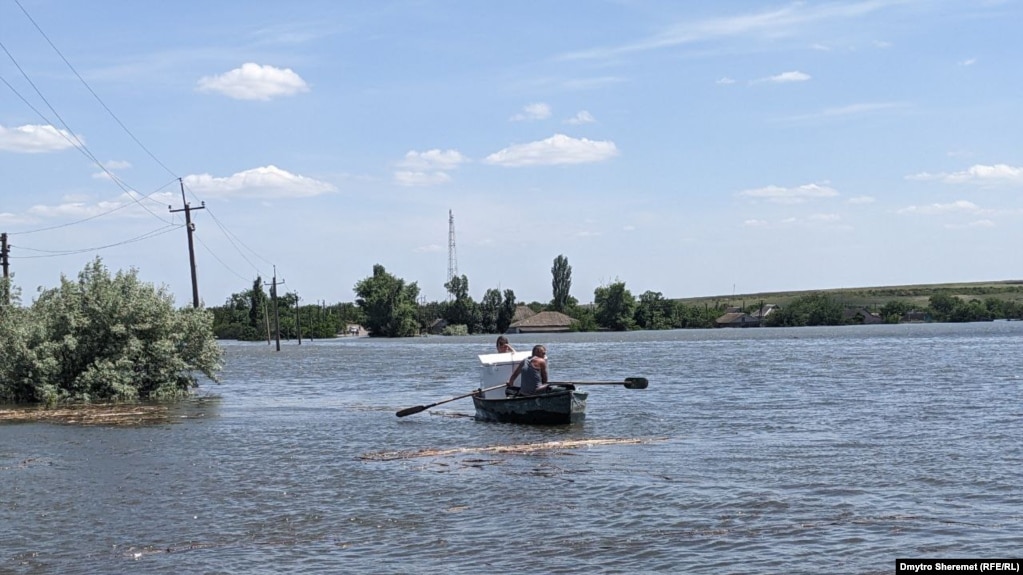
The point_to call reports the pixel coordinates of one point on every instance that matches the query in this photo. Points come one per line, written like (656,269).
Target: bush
(104,338)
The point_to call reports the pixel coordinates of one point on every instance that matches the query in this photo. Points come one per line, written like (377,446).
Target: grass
(874,297)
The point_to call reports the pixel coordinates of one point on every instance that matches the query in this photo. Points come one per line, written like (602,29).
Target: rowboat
(559,404)
(562,404)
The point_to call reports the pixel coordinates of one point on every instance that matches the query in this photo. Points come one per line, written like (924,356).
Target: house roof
(544,320)
(735,317)
(522,312)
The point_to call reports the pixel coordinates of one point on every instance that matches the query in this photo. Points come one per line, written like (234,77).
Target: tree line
(389,306)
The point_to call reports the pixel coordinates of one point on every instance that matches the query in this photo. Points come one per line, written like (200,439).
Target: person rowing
(534,374)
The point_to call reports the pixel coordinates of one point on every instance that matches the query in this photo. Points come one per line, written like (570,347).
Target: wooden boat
(562,404)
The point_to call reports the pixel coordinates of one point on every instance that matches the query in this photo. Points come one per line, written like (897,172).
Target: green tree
(507,313)
(942,305)
(892,311)
(103,338)
(490,311)
(616,306)
(257,306)
(561,282)
(388,304)
(812,309)
(653,311)
(462,310)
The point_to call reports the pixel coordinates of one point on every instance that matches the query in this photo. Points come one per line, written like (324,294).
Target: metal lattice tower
(452,253)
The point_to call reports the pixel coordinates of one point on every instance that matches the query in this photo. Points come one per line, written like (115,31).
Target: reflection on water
(765,450)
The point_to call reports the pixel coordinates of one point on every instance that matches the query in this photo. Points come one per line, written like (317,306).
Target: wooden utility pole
(277,317)
(3,260)
(298,324)
(190,227)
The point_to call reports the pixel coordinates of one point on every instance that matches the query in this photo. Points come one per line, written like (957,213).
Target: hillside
(915,295)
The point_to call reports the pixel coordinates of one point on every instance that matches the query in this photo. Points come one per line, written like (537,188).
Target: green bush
(104,338)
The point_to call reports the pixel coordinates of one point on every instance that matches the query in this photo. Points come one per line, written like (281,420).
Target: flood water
(803,450)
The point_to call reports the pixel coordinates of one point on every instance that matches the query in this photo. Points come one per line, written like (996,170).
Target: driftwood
(101,414)
(523,448)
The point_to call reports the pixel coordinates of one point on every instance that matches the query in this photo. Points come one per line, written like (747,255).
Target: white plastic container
(496,368)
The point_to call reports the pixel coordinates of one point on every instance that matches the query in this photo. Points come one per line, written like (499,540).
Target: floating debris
(103,414)
(522,448)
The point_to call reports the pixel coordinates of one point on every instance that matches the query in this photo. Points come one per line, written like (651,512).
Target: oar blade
(411,410)
(636,383)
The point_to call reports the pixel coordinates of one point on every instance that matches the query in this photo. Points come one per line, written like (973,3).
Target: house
(762,312)
(355,330)
(860,315)
(522,312)
(736,319)
(437,327)
(543,322)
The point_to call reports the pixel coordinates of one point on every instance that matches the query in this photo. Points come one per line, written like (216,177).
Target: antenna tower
(452,253)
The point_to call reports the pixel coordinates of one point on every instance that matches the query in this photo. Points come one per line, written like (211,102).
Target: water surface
(798,450)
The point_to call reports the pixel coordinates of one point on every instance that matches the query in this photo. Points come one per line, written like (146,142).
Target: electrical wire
(57,253)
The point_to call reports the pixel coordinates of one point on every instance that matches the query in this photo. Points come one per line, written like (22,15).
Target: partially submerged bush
(104,338)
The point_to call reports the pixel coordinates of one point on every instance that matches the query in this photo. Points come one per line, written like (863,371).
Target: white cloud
(583,117)
(795,195)
(996,174)
(111,166)
(850,110)
(538,111)
(968,62)
(255,82)
(126,205)
(429,249)
(412,178)
(725,81)
(824,218)
(769,25)
(959,206)
(862,200)
(558,149)
(265,183)
(971,225)
(34,139)
(755,223)
(784,78)
(437,159)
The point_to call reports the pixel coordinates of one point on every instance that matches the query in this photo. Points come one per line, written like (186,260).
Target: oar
(629,383)
(418,408)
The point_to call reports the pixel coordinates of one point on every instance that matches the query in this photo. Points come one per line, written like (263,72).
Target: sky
(688,148)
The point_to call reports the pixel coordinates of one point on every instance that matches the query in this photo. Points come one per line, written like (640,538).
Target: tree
(942,305)
(104,338)
(389,304)
(257,306)
(463,310)
(892,311)
(561,283)
(490,311)
(653,311)
(507,313)
(615,306)
(810,309)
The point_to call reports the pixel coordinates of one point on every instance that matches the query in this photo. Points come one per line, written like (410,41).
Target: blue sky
(688,148)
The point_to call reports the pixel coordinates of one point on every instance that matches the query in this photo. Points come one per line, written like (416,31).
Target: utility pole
(190,227)
(3,260)
(277,317)
(298,324)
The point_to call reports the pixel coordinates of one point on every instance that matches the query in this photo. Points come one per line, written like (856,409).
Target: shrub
(104,338)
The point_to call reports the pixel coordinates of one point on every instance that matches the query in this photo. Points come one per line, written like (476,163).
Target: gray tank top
(531,378)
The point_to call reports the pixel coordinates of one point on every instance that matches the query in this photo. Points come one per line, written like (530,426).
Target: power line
(91,91)
(92,217)
(56,253)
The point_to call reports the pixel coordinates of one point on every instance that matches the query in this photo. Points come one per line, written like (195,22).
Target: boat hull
(554,408)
